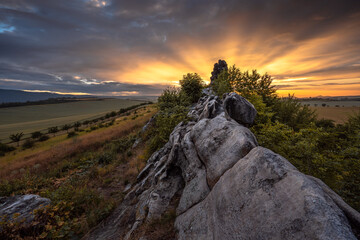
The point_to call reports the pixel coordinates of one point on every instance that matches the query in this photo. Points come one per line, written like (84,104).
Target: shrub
(325,123)
(72,134)
(36,135)
(191,86)
(28,144)
(66,127)
(53,130)
(44,138)
(5,148)
(170,98)
(50,222)
(245,83)
(105,158)
(164,124)
(290,111)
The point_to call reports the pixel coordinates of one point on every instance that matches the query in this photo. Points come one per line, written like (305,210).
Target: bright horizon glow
(105,47)
(62,93)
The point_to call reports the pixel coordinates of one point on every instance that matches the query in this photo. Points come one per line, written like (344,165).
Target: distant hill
(8,96)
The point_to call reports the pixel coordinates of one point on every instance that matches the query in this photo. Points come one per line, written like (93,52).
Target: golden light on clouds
(140,47)
(307,69)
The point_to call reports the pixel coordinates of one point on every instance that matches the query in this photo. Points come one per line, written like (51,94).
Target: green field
(28,119)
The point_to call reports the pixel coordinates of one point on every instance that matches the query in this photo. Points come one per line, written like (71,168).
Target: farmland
(338,111)
(337,114)
(28,119)
(329,103)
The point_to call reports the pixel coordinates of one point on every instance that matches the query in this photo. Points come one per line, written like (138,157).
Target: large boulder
(220,143)
(264,197)
(212,108)
(239,109)
(22,205)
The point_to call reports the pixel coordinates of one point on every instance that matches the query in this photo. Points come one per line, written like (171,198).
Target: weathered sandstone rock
(239,109)
(24,205)
(224,186)
(264,197)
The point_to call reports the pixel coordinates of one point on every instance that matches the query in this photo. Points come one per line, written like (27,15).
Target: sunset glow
(122,48)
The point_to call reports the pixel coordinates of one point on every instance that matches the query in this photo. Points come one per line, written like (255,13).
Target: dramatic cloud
(139,47)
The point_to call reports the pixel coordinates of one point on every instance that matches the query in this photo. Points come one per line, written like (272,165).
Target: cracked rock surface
(224,186)
(24,205)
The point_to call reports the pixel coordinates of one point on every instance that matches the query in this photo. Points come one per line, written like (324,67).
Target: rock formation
(224,186)
(218,68)
(24,205)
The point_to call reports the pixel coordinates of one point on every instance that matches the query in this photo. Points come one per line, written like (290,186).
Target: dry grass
(70,147)
(338,114)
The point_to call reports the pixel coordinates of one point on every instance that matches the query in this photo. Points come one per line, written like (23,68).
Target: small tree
(191,86)
(16,137)
(170,98)
(53,130)
(245,83)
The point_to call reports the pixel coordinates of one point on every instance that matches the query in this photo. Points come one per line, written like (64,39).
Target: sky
(122,48)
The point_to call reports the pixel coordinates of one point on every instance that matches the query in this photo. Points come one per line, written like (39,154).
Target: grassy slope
(38,117)
(60,147)
(87,173)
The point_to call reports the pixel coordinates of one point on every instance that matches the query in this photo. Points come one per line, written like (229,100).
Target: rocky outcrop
(220,66)
(22,205)
(239,109)
(224,186)
(264,197)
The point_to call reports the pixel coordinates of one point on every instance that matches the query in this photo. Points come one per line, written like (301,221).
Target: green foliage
(191,86)
(222,84)
(50,222)
(264,113)
(122,145)
(246,84)
(316,147)
(74,187)
(331,154)
(170,98)
(165,122)
(325,123)
(290,111)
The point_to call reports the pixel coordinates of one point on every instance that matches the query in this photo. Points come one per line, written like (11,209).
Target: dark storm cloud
(46,44)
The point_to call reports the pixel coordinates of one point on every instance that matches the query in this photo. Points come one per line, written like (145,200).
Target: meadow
(28,119)
(338,114)
(338,111)
(84,176)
